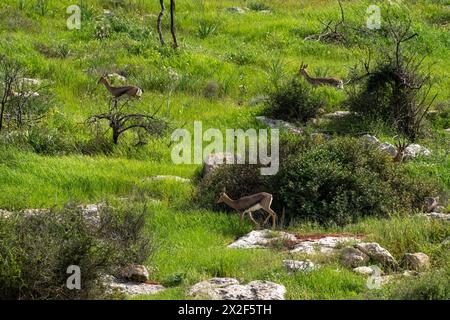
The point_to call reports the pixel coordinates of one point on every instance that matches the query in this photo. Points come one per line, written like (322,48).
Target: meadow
(241,56)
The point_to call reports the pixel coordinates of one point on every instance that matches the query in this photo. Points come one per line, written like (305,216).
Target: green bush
(345,179)
(294,101)
(36,250)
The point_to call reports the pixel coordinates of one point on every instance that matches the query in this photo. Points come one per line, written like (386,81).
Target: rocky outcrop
(302,266)
(260,239)
(416,261)
(231,289)
(378,253)
(352,257)
(279,124)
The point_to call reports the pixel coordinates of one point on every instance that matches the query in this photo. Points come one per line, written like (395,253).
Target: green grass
(236,54)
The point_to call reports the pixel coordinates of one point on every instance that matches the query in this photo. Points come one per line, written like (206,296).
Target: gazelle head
(222,196)
(303,69)
(401,146)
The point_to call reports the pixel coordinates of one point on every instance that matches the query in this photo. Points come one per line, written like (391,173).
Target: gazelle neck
(305,74)
(107,85)
(228,201)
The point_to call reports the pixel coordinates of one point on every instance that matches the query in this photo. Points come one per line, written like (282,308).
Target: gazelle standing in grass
(119,92)
(333,82)
(401,145)
(250,204)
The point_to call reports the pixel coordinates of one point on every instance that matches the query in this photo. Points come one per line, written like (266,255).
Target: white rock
(415,150)
(370,139)
(378,253)
(389,148)
(130,288)
(447,130)
(30,82)
(279,124)
(338,114)
(117,77)
(260,239)
(438,216)
(169,177)
(352,257)
(326,245)
(365,271)
(5,214)
(236,10)
(214,160)
(295,265)
(230,289)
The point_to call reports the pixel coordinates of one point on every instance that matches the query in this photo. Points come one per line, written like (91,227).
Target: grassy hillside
(242,54)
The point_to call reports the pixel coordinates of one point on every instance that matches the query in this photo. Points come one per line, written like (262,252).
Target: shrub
(295,101)
(36,250)
(346,179)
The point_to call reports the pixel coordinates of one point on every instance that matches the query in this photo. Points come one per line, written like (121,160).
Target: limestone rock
(438,216)
(370,139)
(326,245)
(416,261)
(338,114)
(295,265)
(415,150)
(365,271)
(352,257)
(378,253)
(134,272)
(389,148)
(130,288)
(260,239)
(230,289)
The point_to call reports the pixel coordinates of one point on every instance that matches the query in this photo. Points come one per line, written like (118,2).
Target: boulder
(352,257)
(134,272)
(214,160)
(117,77)
(260,239)
(447,130)
(279,124)
(304,266)
(438,216)
(5,214)
(370,139)
(388,148)
(236,10)
(231,289)
(416,261)
(415,150)
(338,114)
(378,253)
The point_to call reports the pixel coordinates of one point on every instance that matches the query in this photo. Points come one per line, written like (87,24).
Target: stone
(134,273)
(352,257)
(5,214)
(169,177)
(236,10)
(415,150)
(416,261)
(338,114)
(214,160)
(260,239)
(326,245)
(388,148)
(231,289)
(370,139)
(378,253)
(279,124)
(365,271)
(431,203)
(410,273)
(295,265)
(91,213)
(111,284)
(446,241)
(447,130)
(117,77)
(438,216)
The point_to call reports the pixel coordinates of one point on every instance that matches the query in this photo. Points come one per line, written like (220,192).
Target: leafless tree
(172,23)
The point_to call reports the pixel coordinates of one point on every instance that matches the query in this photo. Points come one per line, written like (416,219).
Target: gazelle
(333,82)
(251,204)
(118,92)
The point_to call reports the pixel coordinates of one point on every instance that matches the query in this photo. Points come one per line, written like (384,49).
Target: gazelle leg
(241,218)
(273,215)
(253,220)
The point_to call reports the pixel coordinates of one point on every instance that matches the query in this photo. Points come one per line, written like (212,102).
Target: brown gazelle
(333,82)
(118,92)
(251,204)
